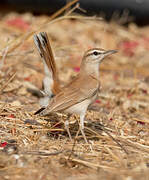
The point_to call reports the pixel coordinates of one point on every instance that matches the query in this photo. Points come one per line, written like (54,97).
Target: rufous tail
(50,81)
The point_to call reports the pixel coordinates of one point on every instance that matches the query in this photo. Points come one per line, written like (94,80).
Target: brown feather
(71,94)
(43,45)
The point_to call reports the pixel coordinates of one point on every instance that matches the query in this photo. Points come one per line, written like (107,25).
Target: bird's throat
(90,69)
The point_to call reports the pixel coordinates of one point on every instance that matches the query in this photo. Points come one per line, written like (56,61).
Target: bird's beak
(110,52)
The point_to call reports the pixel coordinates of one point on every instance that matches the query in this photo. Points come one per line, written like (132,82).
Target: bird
(83,90)
(51,83)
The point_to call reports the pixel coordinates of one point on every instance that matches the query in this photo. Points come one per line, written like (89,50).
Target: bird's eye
(95,53)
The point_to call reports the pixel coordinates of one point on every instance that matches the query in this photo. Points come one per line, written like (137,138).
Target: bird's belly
(80,107)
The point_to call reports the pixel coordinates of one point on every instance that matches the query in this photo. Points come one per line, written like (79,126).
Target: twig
(103,128)
(90,165)
(67,6)
(77,6)
(50,130)
(42,153)
(136,145)
(20,40)
(3,57)
(106,131)
(72,17)
(9,80)
(20,53)
(32,67)
(1,108)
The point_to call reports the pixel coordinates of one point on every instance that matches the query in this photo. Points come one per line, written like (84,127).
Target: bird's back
(75,92)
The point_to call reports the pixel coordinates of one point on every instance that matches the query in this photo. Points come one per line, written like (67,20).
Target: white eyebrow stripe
(91,53)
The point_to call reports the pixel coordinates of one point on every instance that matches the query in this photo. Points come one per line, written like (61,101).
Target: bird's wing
(71,95)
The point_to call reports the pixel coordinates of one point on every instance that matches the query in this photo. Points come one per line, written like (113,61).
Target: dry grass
(39,148)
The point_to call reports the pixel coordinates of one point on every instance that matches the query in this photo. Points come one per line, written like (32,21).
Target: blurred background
(138,10)
(34,147)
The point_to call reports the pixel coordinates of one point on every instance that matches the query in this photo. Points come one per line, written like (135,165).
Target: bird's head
(96,55)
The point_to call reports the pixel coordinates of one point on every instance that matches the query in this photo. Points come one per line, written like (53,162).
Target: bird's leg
(81,125)
(77,133)
(66,123)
